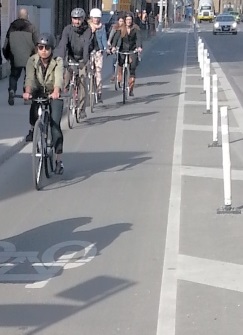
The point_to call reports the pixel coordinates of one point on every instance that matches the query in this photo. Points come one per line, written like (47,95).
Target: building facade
(47,15)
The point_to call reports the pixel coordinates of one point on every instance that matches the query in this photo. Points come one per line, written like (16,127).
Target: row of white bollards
(204,63)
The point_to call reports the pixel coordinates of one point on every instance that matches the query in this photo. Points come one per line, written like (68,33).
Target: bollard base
(228,209)
(208,111)
(214,144)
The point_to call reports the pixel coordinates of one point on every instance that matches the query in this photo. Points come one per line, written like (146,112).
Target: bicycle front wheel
(82,93)
(92,93)
(48,147)
(38,155)
(71,107)
(125,85)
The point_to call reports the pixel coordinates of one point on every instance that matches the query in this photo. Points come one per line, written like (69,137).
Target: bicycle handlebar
(43,100)
(72,64)
(127,53)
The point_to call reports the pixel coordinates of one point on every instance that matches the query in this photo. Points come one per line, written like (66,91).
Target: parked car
(225,24)
(236,16)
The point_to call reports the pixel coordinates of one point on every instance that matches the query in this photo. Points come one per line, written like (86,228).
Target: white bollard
(198,49)
(208,85)
(201,55)
(215,107)
(227,208)
(205,57)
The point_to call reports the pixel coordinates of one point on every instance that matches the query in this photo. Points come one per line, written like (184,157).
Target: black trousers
(56,108)
(133,62)
(14,77)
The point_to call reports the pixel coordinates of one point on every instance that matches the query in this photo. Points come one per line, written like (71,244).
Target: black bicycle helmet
(78,12)
(46,39)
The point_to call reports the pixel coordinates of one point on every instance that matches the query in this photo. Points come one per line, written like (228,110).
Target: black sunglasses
(42,47)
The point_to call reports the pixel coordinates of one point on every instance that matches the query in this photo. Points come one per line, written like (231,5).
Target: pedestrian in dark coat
(19,45)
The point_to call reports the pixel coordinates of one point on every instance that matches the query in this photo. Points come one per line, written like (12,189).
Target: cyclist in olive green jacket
(44,78)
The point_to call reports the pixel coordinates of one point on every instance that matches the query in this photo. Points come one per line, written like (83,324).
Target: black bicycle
(126,74)
(42,150)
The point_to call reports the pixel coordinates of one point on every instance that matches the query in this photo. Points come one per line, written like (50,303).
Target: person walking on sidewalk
(130,41)
(99,44)
(44,78)
(19,45)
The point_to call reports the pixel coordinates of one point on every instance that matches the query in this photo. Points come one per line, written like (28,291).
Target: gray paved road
(128,240)
(113,197)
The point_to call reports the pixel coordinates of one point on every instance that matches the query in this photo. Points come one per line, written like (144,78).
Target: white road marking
(209,272)
(50,265)
(168,293)
(194,86)
(11,141)
(192,102)
(196,127)
(206,172)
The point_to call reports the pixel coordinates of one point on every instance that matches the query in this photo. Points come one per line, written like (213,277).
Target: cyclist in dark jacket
(74,45)
(18,47)
(131,40)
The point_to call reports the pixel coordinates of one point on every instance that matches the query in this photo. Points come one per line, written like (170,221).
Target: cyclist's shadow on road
(80,167)
(39,254)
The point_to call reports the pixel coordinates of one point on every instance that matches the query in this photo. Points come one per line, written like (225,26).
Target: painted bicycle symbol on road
(46,267)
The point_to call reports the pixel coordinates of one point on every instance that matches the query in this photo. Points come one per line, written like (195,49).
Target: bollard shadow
(235,141)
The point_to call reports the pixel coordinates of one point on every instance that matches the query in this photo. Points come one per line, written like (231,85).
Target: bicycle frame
(74,83)
(92,82)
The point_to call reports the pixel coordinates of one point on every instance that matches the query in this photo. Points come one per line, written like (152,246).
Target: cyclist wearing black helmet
(129,40)
(74,46)
(44,77)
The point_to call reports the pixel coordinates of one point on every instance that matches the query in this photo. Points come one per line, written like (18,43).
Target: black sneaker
(99,98)
(29,137)
(131,94)
(11,97)
(59,167)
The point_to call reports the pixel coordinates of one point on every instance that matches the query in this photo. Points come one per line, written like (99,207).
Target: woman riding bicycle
(99,44)
(131,40)
(119,25)
(44,78)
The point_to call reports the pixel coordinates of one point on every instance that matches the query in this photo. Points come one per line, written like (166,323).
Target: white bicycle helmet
(95,12)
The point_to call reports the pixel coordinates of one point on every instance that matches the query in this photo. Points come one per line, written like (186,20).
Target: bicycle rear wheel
(48,148)
(38,155)
(125,85)
(91,93)
(71,107)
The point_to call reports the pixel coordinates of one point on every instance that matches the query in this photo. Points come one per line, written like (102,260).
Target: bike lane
(130,169)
